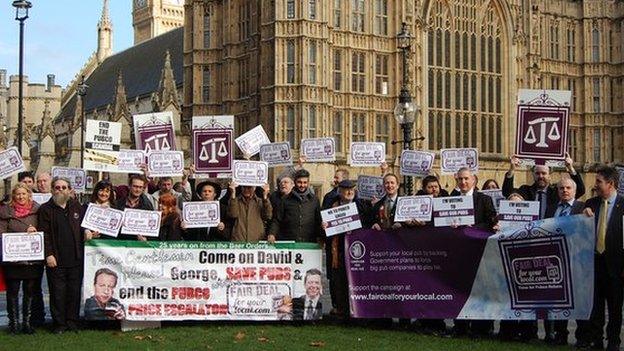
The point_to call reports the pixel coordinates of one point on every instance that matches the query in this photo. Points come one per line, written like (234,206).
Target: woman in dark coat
(103,195)
(170,223)
(20,216)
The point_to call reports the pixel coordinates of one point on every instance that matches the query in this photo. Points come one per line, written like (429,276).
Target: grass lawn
(251,337)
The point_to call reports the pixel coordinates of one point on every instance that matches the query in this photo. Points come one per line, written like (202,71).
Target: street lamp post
(405,110)
(21,14)
(82,91)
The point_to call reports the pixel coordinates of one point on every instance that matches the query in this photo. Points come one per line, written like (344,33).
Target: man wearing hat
(207,191)
(335,251)
(249,213)
(298,217)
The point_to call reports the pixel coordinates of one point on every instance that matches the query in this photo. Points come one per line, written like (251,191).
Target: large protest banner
(539,270)
(201,280)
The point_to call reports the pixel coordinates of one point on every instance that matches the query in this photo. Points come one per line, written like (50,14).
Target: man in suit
(485,218)
(546,194)
(383,210)
(309,307)
(557,331)
(607,207)
(541,190)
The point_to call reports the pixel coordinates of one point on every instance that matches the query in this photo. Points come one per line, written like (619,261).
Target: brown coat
(11,224)
(249,217)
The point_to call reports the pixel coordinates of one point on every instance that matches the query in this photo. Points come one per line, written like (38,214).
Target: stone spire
(120,103)
(167,92)
(105,35)
(47,127)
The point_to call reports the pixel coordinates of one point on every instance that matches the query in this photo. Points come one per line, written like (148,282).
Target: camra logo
(357,250)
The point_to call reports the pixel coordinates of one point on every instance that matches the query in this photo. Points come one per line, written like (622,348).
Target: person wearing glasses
(59,220)
(136,199)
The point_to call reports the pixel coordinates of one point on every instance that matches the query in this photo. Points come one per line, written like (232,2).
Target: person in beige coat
(249,213)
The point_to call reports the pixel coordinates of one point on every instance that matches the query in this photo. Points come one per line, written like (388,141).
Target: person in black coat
(608,209)
(382,211)
(485,218)
(541,189)
(136,199)
(331,197)
(207,191)
(335,251)
(309,306)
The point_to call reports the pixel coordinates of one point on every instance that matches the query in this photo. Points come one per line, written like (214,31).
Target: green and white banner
(141,281)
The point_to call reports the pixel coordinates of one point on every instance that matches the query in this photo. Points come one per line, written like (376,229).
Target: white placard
(621,181)
(165,163)
(141,222)
(276,154)
(130,161)
(77,177)
(369,186)
(366,154)
(41,198)
(515,214)
(250,142)
(201,214)
(22,247)
(413,208)
(318,149)
(453,211)
(103,219)
(341,219)
(454,159)
(496,195)
(416,163)
(102,141)
(10,162)
(252,173)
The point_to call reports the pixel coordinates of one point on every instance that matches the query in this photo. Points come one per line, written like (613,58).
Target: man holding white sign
(335,250)
(484,218)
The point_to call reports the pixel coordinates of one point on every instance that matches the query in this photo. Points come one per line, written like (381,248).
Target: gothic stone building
(332,68)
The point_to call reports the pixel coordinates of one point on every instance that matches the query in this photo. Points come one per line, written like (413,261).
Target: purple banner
(524,273)
(403,274)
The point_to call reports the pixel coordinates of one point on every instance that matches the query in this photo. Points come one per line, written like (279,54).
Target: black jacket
(577,208)
(298,218)
(46,224)
(614,253)
(484,212)
(529,192)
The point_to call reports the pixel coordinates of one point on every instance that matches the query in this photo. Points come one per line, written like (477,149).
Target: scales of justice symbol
(542,123)
(211,157)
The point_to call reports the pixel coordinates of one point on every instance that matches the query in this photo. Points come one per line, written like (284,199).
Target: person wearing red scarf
(20,216)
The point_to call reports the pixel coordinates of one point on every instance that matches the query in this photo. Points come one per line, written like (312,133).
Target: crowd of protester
(292,212)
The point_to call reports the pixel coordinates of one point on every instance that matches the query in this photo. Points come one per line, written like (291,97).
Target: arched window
(472,48)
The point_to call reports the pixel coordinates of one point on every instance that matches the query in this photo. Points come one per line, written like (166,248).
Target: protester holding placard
(284,186)
(136,199)
(104,196)
(485,218)
(207,191)
(170,223)
(331,197)
(335,251)
(20,216)
(298,217)
(249,213)
(383,209)
(541,190)
(557,331)
(59,220)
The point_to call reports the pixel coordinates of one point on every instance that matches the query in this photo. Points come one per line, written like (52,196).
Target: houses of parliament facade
(312,68)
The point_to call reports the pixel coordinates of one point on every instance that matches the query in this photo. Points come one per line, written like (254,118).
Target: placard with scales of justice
(213,145)
(154,131)
(542,125)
